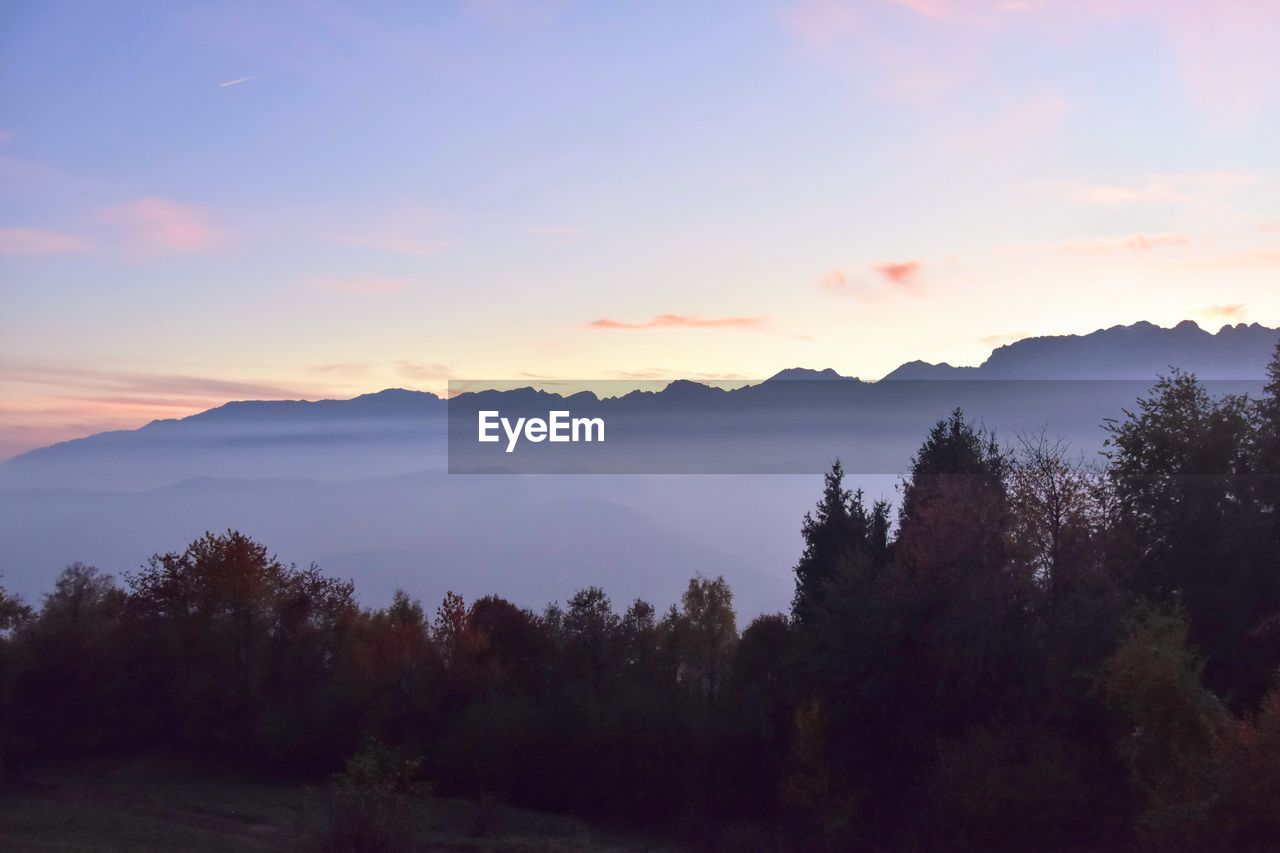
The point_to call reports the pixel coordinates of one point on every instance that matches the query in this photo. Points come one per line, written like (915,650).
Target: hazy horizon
(558,384)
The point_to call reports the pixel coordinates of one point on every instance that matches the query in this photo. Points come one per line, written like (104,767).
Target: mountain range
(362,486)
(1136,352)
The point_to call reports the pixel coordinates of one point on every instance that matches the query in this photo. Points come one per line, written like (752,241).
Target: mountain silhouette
(804,373)
(399,431)
(1139,351)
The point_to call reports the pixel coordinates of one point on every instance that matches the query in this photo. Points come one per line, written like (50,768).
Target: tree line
(1029,651)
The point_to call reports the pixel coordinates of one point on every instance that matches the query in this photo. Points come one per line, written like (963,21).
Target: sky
(209,201)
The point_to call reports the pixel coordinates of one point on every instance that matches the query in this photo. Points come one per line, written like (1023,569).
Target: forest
(1024,650)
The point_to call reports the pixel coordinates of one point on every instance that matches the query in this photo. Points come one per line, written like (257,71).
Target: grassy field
(156,804)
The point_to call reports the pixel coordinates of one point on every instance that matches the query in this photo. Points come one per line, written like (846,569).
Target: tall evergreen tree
(839,531)
(1184,469)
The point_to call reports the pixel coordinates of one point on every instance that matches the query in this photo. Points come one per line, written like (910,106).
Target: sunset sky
(213,201)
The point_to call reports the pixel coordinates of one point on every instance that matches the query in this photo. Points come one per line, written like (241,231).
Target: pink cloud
(1147,242)
(157,226)
(33,241)
(422,372)
(349,369)
(363,371)
(134,383)
(1225,313)
(900,274)
(837,282)
(357,285)
(669,321)
(69,402)
(894,276)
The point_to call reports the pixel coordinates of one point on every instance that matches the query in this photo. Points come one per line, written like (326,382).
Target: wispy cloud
(1226,313)
(357,285)
(1175,189)
(34,241)
(685,321)
(882,279)
(62,402)
(132,382)
(903,274)
(158,226)
(366,372)
(1137,243)
(350,369)
(238,81)
(422,372)
(837,282)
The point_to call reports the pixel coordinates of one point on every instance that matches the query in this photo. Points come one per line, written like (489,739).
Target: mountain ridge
(1137,351)
(1140,350)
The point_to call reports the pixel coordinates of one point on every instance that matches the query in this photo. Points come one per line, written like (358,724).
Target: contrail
(239,81)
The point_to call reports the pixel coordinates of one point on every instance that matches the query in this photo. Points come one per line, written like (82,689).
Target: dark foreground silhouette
(1027,652)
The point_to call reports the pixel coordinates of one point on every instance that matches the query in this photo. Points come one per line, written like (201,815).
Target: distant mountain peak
(924,370)
(685,388)
(394,393)
(805,373)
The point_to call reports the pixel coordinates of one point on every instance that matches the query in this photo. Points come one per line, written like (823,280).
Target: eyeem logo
(559,426)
